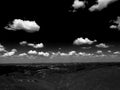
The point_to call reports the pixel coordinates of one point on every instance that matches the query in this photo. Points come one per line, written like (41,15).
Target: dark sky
(58,26)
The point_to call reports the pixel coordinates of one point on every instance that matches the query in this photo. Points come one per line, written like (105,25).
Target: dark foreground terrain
(69,76)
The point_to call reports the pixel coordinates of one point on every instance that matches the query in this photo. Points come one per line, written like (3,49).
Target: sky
(86,25)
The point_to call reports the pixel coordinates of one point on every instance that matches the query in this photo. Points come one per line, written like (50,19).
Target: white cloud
(12,52)
(22,54)
(117,52)
(2,48)
(113,27)
(109,51)
(80,41)
(63,54)
(44,53)
(99,52)
(101,4)
(23,43)
(78,4)
(56,54)
(39,45)
(30,44)
(28,26)
(72,53)
(85,54)
(32,52)
(117,22)
(102,45)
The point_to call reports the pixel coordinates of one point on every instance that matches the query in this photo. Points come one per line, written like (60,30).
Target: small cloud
(113,27)
(28,26)
(44,53)
(78,4)
(117,22)
(30,44)
(101,4)
(39,45)
(102,45)
(22,54)
(80,41)
(32,52)
(72,53)
(23,43)
(63,54)
(99,52)
(58,54)
(2,48)
(117,52)
(11,53)
(85,54)
(109,51)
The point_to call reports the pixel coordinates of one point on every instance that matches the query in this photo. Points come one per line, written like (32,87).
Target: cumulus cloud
(22,54)
(23,43)
(102,45)
(57,54)
(109,51)
(114,27)
(101,4)
(99,52)
(72,53)
(63,54)
(32,52)
(78,4)
(117,24)
(80,41)
(85,54)
(28,26)
(44,53)
(116,52)
(2,48)
(39,45)
(30,44)
(11,53)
